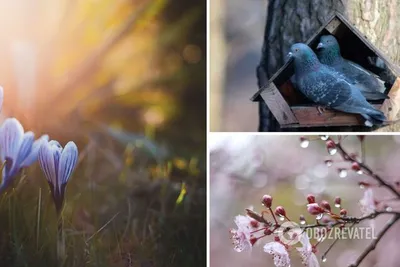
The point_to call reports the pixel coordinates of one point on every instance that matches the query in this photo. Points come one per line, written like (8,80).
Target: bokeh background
(126,81)
(236,40)
(245,167)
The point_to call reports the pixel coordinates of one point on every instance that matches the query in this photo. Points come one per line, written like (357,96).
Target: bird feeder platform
(292,110)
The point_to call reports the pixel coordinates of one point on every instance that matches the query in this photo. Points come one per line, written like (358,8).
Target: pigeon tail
(374,95)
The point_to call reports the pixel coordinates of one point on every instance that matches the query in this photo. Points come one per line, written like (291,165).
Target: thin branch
(373,244)
(366,169)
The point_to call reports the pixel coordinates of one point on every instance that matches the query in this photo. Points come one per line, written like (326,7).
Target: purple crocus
(17,149)
(58,164)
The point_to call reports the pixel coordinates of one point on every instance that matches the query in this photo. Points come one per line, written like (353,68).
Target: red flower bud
(343,212)
(310,199)
(355,166)
(314,209)
(338,201)
(276,238)
(330,144)
(325,205)
(267,201)
(280,211)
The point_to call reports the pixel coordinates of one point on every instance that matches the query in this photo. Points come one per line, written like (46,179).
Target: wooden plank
(391,107)
(311,117)
(333,25)
(278,106)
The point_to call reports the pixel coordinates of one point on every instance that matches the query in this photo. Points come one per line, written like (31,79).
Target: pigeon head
(328,49)
(304,58)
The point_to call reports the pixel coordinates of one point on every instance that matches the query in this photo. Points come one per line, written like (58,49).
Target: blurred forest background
(244,168)
(237,36)
(126,81)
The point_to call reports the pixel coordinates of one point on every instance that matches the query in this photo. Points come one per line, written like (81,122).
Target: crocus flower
(279,252)
(58,164)
(17,149)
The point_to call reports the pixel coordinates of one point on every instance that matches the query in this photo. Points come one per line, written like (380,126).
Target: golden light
(154,116)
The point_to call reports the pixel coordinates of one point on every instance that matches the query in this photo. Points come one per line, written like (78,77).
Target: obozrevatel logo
(289,233)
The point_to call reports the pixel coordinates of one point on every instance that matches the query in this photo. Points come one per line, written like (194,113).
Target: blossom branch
(373,244)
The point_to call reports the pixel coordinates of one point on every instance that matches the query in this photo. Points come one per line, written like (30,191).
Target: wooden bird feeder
(292,110)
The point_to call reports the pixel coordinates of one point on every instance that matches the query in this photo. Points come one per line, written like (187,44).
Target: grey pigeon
(369,83)
(326,87)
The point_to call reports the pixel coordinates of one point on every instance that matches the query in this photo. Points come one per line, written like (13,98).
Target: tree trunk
(292,21)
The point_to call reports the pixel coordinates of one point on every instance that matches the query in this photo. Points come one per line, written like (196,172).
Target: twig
(366,169)
(373,244)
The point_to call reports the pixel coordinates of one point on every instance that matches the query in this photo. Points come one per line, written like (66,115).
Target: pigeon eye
(296,50)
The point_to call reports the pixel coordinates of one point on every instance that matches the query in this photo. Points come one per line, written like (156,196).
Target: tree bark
(291,21)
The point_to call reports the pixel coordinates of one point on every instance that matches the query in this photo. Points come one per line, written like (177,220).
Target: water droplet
(389,209)
(360,172)
(302,222)
(324,137)
(362,186)
(342,173)
(323,258)
(328,162)
(337,205)
(319,216)
(281,218)
(304,143)
(332,151)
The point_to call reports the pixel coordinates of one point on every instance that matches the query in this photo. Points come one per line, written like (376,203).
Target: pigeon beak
(289,55)
(320,45)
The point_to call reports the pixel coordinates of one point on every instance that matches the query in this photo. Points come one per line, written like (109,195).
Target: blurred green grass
(130,218)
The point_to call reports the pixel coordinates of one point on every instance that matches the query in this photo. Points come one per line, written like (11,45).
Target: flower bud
(280,211)
(343,212)
(310,199)
(355,166)
(325,205)
(276,238)
(330,144)
(314,209)
(338,201)
(267,201)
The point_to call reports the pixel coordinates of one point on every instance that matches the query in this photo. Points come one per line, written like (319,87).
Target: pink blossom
(241,236)
(306,252)
(279,252)
(367,203)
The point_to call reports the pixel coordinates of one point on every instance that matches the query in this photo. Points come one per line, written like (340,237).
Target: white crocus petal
(33,155)
(11,135)
(46,161)
(69,157)
(367,203)
(279,252)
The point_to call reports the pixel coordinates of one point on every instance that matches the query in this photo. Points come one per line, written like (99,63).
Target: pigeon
(371,86)
(326,87)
